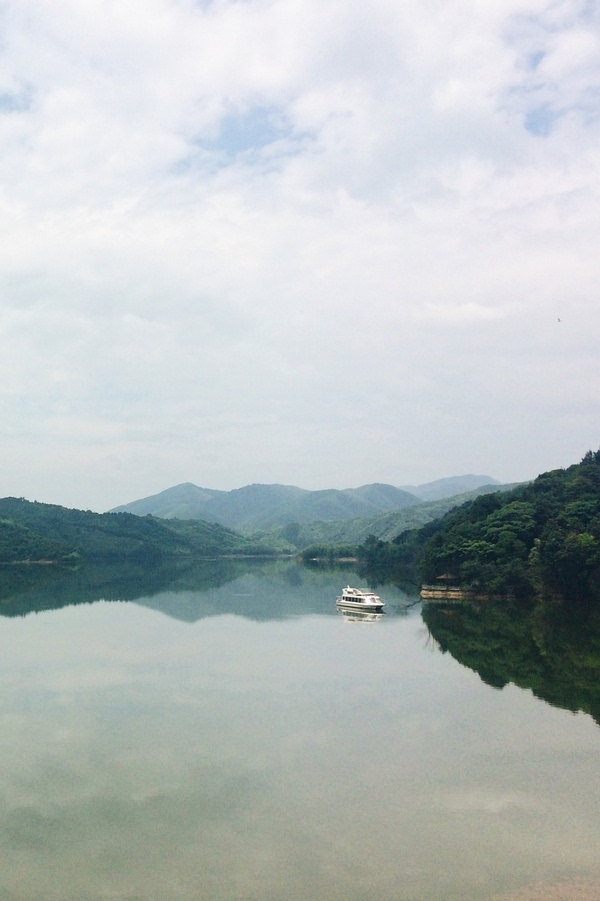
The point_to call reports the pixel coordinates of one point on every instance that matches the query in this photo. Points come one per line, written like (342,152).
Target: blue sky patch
(539,121)
(536,58)
(251,131)
(14,102)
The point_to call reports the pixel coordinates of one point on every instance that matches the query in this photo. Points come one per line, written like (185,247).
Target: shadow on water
(253,588)
(32,589)
(547,646)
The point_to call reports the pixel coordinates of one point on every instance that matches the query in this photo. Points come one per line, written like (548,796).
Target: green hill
(33,531)
(20,543)
(544,535)
(184,501)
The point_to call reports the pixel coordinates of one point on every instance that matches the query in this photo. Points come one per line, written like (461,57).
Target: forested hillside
(34,531)
(20,543)
(541,536)
(386,526)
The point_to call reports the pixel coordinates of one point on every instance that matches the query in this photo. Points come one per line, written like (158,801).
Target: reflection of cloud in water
(145,757)
(574,890)
(489,802)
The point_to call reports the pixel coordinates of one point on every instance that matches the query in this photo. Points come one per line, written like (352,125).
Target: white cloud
(283,218)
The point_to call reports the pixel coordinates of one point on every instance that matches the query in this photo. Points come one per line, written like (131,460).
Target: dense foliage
(328,553)
(30,531)
(20,543)
(544,535)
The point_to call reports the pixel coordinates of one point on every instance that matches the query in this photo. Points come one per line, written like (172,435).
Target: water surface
(245,742)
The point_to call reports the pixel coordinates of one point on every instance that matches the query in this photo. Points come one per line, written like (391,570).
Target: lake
(229,735)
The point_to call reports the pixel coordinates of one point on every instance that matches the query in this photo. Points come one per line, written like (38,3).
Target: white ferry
(356,599)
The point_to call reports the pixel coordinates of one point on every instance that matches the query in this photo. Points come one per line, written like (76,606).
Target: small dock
(450,594)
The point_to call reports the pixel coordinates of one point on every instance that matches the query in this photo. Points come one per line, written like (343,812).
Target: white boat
(356,599)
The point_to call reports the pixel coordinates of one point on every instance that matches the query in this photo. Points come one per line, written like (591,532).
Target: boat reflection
(359,616)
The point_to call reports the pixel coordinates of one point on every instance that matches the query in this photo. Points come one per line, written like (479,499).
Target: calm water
(245,742)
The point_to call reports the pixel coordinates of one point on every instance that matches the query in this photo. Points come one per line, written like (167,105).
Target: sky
(318,244)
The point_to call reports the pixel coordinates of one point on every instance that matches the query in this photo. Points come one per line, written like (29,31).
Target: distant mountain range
(266,507)
(450,487)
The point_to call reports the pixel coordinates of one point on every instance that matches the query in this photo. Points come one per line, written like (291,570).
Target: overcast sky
(316,243)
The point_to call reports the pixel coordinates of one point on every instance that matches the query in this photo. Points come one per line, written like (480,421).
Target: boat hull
(371,607)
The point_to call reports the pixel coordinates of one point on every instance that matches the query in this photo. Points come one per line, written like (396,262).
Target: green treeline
(540,537)
(31,531)
(328,553)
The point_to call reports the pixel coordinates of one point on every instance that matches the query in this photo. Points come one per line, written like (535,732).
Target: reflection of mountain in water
(544,647)
(29,589)
(251,588)
(274,590)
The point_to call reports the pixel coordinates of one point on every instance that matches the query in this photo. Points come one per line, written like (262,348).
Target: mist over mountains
(265,507)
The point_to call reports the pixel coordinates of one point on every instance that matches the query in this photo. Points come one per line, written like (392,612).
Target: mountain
(34,531)
(184,501)
(259,507)
(449,487)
